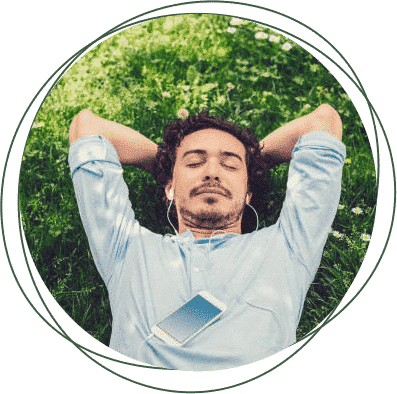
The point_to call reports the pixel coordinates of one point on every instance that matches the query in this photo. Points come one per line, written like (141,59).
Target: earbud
(171,197)
(247,200)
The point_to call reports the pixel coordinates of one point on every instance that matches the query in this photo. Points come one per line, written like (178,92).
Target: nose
(211,171)
(208,178)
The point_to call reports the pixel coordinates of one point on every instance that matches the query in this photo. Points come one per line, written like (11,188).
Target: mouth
(212,190)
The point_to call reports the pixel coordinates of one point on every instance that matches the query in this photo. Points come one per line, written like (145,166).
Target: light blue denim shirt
(262,277)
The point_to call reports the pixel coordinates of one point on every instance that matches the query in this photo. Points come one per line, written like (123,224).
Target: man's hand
(131,146)
(277,146)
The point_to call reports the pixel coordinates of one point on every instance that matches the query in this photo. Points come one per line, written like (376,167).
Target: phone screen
(189,318)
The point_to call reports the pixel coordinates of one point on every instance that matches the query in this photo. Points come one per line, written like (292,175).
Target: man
(206,167)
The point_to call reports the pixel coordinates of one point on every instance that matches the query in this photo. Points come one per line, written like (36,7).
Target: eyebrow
(203,152)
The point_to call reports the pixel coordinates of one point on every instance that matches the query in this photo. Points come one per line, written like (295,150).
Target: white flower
(166,95)
(261,35)
(365,237)
(231,29)
(230,86)
(357,211)
(274,38)
(182,113)
(287,46)
(236,21)
(336,234)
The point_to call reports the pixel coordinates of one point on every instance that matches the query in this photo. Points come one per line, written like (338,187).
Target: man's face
(210,179)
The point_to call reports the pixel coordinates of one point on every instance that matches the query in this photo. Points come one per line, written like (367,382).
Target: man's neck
(200,233)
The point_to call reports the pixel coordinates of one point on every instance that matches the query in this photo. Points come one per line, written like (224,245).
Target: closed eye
(193,165)
(229,167)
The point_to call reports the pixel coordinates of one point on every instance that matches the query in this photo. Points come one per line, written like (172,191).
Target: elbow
(327,119)
(84,114)
(78,127)
(328,112)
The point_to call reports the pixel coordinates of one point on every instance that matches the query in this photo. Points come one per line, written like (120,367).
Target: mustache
(211,187)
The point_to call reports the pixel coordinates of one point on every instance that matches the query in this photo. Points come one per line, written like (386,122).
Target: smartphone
(192,317)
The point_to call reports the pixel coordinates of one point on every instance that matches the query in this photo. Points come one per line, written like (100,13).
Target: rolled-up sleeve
(312,198)
(102,198)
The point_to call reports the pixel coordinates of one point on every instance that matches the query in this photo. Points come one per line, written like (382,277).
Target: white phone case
(167,338)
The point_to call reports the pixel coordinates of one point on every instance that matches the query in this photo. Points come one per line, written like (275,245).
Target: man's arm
(131,146)
(277,146)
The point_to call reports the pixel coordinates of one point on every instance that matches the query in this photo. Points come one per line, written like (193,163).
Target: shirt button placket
(197,270)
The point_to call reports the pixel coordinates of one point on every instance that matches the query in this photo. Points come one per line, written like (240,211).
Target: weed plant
(150,74)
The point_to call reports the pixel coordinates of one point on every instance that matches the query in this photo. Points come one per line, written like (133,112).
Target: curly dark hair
(173,135)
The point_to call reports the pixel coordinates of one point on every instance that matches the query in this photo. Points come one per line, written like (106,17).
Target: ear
(248,198)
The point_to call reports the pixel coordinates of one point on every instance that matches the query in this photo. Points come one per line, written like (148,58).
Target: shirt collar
(188,237)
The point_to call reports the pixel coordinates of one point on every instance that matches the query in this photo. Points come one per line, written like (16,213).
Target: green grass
(141,78)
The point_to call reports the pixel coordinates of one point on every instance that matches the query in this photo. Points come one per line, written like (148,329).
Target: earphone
(171,198)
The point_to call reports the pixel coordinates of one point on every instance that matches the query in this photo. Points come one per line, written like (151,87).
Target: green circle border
(136,20)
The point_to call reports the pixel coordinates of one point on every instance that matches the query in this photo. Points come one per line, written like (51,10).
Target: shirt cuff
(89,149)
(321,140)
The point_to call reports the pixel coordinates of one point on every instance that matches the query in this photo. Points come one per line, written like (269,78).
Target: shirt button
(195,269)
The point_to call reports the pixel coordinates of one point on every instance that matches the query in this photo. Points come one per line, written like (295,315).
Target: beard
(211,217)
